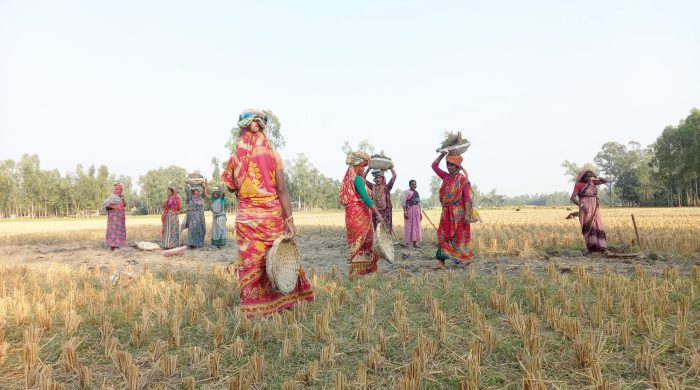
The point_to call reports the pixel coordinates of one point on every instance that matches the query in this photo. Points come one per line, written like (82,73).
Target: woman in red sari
(254,173)
(585,196)
(170,232)
(358,216)
(454,233)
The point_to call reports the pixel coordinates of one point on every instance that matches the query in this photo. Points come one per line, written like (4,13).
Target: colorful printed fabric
(116,227)
(170,236)
(412,230)
(454,232)
(115,207)
(218,226)
(251,172)
(194,221)
(357,158)
(358,224)
(382,197)
(172,204)
(592,226)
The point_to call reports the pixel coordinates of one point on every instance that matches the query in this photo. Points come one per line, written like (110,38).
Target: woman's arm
(283,195)
(362,192)
(392,181)
(436,167)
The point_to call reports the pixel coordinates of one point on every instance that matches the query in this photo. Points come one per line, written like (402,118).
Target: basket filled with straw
(454,143)
(381,162)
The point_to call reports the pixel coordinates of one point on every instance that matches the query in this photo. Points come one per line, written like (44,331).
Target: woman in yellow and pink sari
(585,196)
(254,173)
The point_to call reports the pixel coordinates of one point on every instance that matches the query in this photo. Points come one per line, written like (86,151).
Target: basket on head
(384,244)
(283,263)
(381,163)
(194,179)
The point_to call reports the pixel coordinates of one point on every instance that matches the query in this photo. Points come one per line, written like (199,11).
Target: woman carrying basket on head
(194,221)
(254,173)
(381,195)
(454,233)
(359,207)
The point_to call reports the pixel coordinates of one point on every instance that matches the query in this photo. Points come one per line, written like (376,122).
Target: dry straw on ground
(451,330)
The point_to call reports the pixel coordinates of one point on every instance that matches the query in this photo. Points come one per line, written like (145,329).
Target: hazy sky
(140,84)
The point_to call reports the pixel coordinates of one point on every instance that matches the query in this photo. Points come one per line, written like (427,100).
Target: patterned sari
(251,173)
(454,232)
(170,233)
(592,226)
(358,224)
(218,225)
(115,208)
(194,221)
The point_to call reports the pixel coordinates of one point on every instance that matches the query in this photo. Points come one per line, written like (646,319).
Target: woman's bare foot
(415,245)
(439,266)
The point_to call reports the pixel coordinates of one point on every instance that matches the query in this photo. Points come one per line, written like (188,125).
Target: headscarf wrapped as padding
(248,116)
(357,158)
(377,173)
(455,159)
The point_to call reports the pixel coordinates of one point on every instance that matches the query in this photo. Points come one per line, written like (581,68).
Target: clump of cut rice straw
(381,154)
(453,139)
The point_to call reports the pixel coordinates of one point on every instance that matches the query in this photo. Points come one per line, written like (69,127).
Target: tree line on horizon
(665,173)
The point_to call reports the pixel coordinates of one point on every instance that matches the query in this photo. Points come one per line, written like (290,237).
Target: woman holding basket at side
(359,207)
(254,173)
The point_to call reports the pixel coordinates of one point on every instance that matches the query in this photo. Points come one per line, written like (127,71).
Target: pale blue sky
(136,85)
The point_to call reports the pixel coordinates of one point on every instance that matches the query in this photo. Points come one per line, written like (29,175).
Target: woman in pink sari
(115,208)
(585,196)
(412,216)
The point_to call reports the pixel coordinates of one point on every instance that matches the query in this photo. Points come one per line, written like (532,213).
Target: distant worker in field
(381,195)
(218,225)
(115,208)
(359,207)
(255,174)
(170,233)
(454,231)
(585,196)
(194,221)
(412,216)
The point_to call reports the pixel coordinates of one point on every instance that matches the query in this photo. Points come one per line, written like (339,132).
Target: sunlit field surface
(160,328)
(503,231)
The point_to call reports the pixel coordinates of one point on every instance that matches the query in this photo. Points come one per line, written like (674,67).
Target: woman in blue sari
(194,221)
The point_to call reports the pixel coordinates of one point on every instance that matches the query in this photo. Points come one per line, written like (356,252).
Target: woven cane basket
(381,163)
(384,244)
(282,265)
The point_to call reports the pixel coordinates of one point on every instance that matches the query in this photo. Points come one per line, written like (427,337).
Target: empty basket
(283,263)
(384,244)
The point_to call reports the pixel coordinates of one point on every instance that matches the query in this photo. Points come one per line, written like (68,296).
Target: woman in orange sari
(254,173)
(454,232)
(358,216)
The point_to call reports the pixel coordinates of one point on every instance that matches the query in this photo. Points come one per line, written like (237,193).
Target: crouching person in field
(254,173)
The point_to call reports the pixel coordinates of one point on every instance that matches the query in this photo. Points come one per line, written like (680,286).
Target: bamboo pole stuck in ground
(431,222)
(636,232)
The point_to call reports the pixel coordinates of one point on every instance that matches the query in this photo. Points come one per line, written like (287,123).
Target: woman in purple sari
(115,208)
(412,215)
(585,196)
